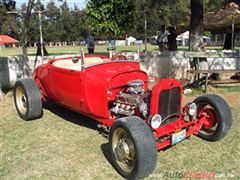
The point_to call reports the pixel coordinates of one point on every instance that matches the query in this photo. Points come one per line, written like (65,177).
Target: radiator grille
(169,104)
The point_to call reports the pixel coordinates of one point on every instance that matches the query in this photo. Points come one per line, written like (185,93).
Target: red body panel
(86,92)
(108,77)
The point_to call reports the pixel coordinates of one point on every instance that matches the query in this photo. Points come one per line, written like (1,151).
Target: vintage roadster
(115,93)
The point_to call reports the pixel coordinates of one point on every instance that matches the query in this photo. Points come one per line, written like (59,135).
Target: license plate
(179,136)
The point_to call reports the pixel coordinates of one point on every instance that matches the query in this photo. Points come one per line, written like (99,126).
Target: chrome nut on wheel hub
(123,150)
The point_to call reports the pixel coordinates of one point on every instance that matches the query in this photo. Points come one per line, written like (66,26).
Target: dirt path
(232,98)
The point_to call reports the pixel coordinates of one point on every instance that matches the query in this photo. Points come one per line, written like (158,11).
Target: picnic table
(196,57)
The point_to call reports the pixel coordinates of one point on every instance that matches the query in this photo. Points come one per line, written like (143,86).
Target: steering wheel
(119,57)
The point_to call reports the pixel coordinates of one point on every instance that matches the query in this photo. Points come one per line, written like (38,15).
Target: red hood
(115,73)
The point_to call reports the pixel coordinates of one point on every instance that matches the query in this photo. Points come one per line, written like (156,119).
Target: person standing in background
(172,42)
(126,39)
(162,39)
(90,44)
(228,39)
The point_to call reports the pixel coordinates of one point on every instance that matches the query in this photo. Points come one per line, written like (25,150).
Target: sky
(80,3)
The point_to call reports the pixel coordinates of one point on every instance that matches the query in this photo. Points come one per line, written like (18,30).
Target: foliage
(79,27)
(164,12)
(103,17)
(110,17)
(52,27)
(9,5)
(207,33)
(60,24)
(9,24)
(211,5)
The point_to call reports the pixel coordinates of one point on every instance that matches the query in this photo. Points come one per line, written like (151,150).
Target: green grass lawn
(76,49)
(72,50)
(66,145)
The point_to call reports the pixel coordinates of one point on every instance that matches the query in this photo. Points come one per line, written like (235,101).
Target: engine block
(131,101)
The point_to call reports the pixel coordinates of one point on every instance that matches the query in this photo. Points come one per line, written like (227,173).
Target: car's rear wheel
(27,99)
(132,148)
(219,119)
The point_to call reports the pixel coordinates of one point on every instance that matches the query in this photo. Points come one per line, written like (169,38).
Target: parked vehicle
(115,93)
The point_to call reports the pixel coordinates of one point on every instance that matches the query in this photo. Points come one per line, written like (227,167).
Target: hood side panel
(100,79)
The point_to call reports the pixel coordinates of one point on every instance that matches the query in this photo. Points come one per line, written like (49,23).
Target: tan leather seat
(68,64)
(93,60)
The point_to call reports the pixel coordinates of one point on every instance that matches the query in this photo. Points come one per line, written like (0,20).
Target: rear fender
(41,87)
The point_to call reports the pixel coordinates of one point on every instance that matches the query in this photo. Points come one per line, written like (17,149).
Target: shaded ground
(66,145)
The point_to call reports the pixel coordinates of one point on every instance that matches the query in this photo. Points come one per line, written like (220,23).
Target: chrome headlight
(192,109)
(155,121)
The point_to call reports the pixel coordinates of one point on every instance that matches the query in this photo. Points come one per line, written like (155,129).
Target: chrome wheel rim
(211,127)
(21,100)
(124,150)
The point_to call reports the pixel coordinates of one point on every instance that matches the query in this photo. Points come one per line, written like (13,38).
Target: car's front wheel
(132,148)
(219,117)
(27,99)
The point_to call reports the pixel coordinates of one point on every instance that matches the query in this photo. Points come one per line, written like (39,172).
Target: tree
(196,25)
(111,17)
(212,5)
(9,25)
(52,28)
(65,22)
(10,4)
(79,25)
(3,12)
(33,35)
(8,19)
(25,37)
(164,12)
(172,12)
(196,22)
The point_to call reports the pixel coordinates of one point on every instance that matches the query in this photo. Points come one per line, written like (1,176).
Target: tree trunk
(196,25)
(26,69)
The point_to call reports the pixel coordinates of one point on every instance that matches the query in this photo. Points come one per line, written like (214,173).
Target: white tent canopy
(131,40)
(184,37)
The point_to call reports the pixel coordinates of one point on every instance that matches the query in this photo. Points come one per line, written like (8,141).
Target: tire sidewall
(33,99)
(144,144)
(223,114)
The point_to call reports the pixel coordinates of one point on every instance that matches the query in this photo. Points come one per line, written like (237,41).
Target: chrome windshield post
(82,59)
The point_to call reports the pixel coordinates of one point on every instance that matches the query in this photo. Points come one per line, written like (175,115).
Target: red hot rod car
(115,93)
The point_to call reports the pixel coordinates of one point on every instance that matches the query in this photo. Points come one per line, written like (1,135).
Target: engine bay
(134,100)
